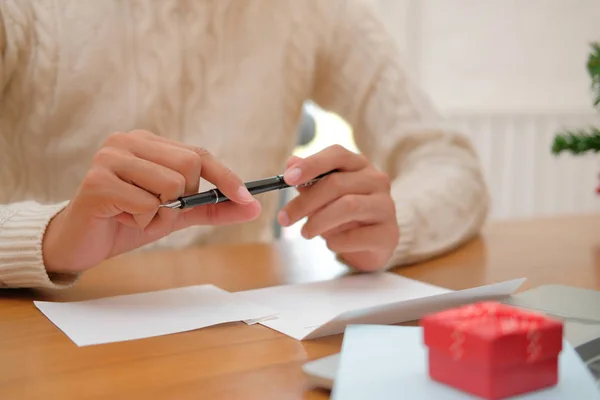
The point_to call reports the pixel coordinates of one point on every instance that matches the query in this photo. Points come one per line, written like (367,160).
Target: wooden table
(236,361)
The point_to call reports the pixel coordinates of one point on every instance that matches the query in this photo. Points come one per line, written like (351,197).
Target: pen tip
(172,204)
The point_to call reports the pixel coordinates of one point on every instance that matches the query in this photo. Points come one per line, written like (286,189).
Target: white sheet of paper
(313,310)
(410,310)
(315,303)
(390,362)
(143,315)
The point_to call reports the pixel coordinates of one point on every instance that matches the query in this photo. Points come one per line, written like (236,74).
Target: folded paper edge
(311,335)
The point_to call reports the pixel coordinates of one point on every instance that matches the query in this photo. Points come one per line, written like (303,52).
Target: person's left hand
(351,209)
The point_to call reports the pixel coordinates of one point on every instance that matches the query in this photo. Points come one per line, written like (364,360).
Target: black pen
(215,196)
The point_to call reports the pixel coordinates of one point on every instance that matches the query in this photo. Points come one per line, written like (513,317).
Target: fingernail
(283,218)
(245,194)
(293,175)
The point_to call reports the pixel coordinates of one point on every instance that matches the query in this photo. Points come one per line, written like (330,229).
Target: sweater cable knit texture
(229,76)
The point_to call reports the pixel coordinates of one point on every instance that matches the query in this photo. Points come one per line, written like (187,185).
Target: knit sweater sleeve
(437,183)
(22,228)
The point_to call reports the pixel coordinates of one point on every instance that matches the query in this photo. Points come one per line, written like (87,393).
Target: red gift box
(492,350)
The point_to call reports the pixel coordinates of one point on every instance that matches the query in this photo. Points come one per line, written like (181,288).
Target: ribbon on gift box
(506,319)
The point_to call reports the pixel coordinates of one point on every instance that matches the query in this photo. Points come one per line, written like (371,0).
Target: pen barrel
(215,196)
(266,185)
(211,197)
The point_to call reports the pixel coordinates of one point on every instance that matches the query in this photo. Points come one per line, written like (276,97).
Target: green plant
(582,141)
(577,142)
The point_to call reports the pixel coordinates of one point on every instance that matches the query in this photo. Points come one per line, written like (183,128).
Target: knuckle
(191,163)
(340,152)
(338,149)
(351,158)
(175,186)
(96,177)
(383,179)
(335,183)
(105,156)
(116,139)
(351,204)
(360,157)
(141,133)
(200,151)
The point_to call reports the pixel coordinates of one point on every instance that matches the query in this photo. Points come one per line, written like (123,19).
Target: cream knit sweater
(227,75)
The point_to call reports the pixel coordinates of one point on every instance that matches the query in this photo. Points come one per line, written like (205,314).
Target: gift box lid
(493,334)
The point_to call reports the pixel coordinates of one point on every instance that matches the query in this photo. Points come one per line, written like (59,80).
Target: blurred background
(509,74)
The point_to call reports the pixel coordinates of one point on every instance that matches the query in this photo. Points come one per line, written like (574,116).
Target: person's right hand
(116,208)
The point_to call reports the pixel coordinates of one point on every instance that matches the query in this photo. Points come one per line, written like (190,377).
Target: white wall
(509,74)
(498,55)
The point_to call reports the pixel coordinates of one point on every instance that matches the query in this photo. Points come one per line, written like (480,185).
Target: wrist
(52,245)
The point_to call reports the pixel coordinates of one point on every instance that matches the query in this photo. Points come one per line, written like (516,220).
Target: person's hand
(116,208)
(351,209)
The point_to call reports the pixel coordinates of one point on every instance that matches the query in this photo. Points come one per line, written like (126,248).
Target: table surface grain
(236,361)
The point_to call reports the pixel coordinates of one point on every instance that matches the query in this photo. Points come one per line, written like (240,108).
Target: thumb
(219,214)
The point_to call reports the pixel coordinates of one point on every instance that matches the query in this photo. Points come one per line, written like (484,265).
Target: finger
(291,161)
(216,173)
(202,164)
(341,228)
(145,222)
(327,190)
(109,196)
(366,261)
(333,157)
(365,209)
(218,214)
(367,248)
(164,220)
(176,158)
(153,223)
(127,219)
(156,179)
(363,238)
